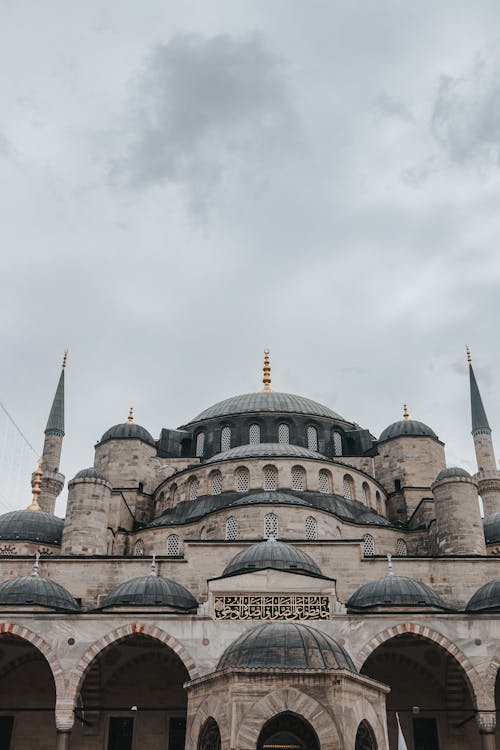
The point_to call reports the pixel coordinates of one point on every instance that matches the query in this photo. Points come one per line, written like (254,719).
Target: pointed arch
(9,628)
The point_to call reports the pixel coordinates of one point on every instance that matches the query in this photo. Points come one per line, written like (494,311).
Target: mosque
(267,576)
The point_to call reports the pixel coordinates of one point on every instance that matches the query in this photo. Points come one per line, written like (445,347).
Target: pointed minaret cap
(469,358)
(36,488)
(55,422)
(478,413)
(130,417)
(406,413)
(267,372)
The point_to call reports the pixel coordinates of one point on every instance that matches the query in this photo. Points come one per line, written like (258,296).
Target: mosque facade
(267,576)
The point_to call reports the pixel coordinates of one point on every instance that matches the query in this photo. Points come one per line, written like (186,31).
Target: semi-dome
(31,526)
(486,599)
(90,473)
(266,401)
(410,427)
(36,591)
(265,450)
(150,591)
(272,554)
(394,591)
(452,471)
(285,645)
(128,431)
(491,526)
(274,497)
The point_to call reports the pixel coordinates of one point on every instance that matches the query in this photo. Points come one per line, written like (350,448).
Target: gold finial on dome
(65,359)
(469,358)
(36,487)
(130,417)
(267,372)
(406,413)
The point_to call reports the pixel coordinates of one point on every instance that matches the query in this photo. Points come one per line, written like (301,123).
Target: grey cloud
(393,107)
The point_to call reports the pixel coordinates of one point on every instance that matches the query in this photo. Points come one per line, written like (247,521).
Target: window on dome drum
(194,487)
(338,532)
(337,444)
(254,434)
(325,482)
(368,545)
(401,548)
(348,487)
(216,482)
(139,548)
(242,479)
(312,438)
(283,433)
(225,439)
(200,444)
(270,526)
(298,478)
(270,478)
(231,528)
(311,528)
(367,494)
(378,500)
(173,545)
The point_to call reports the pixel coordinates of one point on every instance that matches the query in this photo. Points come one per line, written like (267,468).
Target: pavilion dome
(272,554)
(150,591)
(36,591)
(394,591)
(128,431)
(407,427)
(31,526)
(486,598)
(491,526)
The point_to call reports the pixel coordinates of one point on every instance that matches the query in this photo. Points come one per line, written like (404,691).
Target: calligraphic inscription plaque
(272,607)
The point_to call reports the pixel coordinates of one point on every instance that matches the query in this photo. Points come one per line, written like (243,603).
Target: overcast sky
(186,183)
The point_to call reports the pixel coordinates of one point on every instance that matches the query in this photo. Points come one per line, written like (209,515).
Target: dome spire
(406,413)
(469,358)
(267,372)
(36,487)
(130,417)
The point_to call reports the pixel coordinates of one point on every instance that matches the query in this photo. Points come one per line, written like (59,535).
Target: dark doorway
(6,726)
(176,734)
(209,736)
(121,731)
(425,734)
(365,739)
(290,731)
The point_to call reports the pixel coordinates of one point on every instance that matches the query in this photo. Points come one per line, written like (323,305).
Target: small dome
(452,471)
(394,591)
(90,473)
(264,450)
(486,599)
(36,591)
(266,401)
(31,526)
(150,591)
(272,554)
(491,526)
(408,427)
(285,645)
(128,431)
(274,498)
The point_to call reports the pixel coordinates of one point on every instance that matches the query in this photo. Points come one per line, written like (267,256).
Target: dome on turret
(36,591)
(31,526)
(272,554)
(452,471)
(90,473)
(150,591)
(285,645)
(394,591)
(128,430)
(406,427)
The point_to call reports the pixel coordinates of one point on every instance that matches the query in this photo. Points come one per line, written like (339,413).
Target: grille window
(401,548)
(194,486)
(348,487)
(298,478)
(216,482)
(173,545)
(139,548)
(254,434)
(325,484)
(242,479)
(231,528)
(312,438)
(270,478)
(368,545)
(283,433)
(200,445)
(337,444)
(311,528)
(270,526)
(225,439)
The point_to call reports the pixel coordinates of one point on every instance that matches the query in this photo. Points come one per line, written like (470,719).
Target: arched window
(254,434)
(367,495)
(194,487)
(365,739)
(270,478)
(215,483)
(225,439)
(311,528)
(338,532)
(173,545)
(139,548)
(378,500)
(283,433)
(200,444)
(288,730)
(348,487)
(231,528)
(325,482)
(242,479)
(312,438)
(298,478)
(270,526)
(209,736)
(368,545)
(401,548)
(337,443)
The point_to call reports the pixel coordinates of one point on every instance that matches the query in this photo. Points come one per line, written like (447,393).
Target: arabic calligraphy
(269,607)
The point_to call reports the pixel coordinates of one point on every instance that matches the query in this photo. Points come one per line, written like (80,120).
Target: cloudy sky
(183,184)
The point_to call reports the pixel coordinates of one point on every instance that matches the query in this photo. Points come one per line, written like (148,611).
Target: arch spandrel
(42,646)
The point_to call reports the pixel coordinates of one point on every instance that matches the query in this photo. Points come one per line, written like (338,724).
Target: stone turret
(459,527)
(86,525)
(52,479)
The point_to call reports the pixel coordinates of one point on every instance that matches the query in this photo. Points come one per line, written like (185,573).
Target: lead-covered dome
(33,590)
(486,598)
(410,427)
(265,450)
(90,473)
(266,401)
(128,431)
(491,526)
(285,645)
(451,472)
(394,591)
(31,526)
(150,591)
(272,554)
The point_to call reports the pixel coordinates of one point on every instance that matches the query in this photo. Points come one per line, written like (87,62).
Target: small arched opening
(209,736)
(288,730)
(365,739)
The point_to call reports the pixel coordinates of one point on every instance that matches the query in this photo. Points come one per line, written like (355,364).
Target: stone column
(63,738)
(486,722)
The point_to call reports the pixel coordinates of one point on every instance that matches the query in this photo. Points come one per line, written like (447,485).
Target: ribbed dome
(128,430)
(31,526)
(90,473)
(452,471)
(272,554)
(35,591)
(285,645)
(394,591)
(282,403)
(407,427)
(486,599)
(150,591)
(264,450)
(491,526)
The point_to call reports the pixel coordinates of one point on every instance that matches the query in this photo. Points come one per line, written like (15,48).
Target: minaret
(488,477)
(52,479)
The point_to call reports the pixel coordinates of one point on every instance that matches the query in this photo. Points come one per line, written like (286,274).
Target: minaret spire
(267,372)
(52,480)
(478,413)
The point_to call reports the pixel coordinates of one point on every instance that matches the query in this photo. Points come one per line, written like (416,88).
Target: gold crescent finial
(406,413)
(36,487)
(469,358)
(130,417)
(267,372)
(65,359)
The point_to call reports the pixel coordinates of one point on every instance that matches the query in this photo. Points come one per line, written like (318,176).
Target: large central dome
(266,401)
